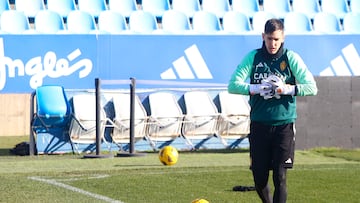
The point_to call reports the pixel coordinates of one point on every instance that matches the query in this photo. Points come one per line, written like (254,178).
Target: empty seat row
(189,7)
(163,120)
(173,22)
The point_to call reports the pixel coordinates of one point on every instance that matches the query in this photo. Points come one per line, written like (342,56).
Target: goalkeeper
(277,75)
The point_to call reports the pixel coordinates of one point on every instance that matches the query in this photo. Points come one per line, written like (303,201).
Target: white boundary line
(75,189)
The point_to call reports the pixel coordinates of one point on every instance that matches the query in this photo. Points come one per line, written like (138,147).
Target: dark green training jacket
(258,65)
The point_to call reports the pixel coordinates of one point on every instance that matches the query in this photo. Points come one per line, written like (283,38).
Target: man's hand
(261,89)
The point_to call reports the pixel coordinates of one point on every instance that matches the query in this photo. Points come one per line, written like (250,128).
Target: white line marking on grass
(75,189)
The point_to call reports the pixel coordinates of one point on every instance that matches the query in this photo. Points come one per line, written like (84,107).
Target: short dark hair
(272,25)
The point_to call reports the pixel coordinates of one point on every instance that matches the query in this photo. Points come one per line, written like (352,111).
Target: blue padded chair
(308,7)
(52,108)
(63,7)
(4,6)
(155,7)
(124,7)
(205,22)
(337,7)
(80,22)
(14,22)
(236,22)
(297,23)
(112,22)
(351,23)
(277,7)
(189,7)
(142,22)
(174,21)
(259,20)
(94,7)
(29,7)
(218,7)
(48,22)
(355,6)
(326,23)
(248,7)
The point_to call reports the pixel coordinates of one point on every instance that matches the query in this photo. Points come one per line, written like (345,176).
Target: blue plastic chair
(48,22)
(94,7)
(236,22)
(52,108)
(174,21)
(297,23)
(205,22)
(155,7)
(248,7)
(277,7)
(351,23)
(259,20)
(80,22)
(63,7)
(29,7)
(112,22)
(355,6)
(14,22)
(142,22)
(4,6)
(326,23)
(337,7)
(308,7)
(189,7)
(125,7)
(218,7)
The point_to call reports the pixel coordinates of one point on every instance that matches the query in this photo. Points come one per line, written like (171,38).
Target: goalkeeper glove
(280,87)
(260,88)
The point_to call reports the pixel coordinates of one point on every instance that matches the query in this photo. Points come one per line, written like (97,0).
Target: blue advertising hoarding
(73,61)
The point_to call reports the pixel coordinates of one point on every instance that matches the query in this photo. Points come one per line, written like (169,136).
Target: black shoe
(240,188)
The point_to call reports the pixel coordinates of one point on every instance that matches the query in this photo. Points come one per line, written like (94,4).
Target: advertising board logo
(40,67)
(190,66)
(346,64)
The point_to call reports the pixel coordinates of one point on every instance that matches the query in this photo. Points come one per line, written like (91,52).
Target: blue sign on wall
(73,61)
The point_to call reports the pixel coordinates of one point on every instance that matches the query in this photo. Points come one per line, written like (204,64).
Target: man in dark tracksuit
(277,75)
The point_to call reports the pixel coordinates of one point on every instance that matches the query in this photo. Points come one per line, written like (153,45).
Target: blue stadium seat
(48,22)
(63,7)
(112,22)
(259,20)
(236,22)
(4,5)
(80,22)
(248,7)
(355,6)
(337,7)
(94,7)
(277,7)
(297,23)
(189,7)
(205,22)
(218,7)
(351,23)
(155,7)
(326,23)
(125,7)
(29,7)
(174,21)
(309,7)
(142,22)
(14,22)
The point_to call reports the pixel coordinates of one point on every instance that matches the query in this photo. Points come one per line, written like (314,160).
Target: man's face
(273,41)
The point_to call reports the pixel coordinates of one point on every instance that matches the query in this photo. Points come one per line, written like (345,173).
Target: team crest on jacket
(283,65)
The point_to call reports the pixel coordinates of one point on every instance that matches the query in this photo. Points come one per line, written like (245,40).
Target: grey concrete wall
(332,118)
